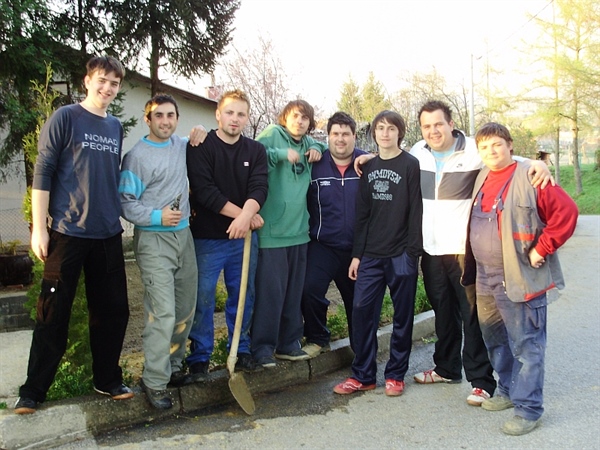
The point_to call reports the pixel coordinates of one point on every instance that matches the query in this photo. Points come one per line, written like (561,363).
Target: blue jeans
(515,336)
(212,256)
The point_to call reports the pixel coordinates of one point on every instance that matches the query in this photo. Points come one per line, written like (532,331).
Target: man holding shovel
(228,183)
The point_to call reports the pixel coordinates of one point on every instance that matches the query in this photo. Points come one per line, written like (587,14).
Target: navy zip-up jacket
(332,202)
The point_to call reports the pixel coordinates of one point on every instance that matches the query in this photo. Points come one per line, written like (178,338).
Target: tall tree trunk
(557,157)
(154,64)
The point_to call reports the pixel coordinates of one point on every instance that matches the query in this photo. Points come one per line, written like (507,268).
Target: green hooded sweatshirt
(285,212)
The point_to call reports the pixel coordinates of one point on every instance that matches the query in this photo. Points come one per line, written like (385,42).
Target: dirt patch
(132,355)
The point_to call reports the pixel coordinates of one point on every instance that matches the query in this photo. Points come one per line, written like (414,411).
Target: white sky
(322,42)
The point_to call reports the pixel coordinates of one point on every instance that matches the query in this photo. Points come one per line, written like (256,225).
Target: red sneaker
(394,388)
(350,386)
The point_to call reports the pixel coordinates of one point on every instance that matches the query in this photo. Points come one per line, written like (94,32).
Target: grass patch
(220,297)
(338,323)
(588,201)
(421,301)
(220,353)
(3,405)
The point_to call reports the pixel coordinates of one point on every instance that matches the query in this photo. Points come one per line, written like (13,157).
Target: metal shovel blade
(241,393)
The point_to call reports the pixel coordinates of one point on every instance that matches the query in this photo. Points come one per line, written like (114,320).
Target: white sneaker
(314,350)
(477,397)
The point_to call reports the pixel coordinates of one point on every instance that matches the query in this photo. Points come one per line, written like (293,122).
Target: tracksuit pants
(399,273)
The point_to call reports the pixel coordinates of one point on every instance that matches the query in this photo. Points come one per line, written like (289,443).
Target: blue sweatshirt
(78,163)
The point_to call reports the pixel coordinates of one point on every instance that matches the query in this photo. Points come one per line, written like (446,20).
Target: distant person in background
(154,196)
(228,182)
(75,183)
(514,232)
(277,325)
(387,246)
(332,208)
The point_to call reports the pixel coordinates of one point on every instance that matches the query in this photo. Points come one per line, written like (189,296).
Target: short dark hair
(159,99)
(492,129)
(235,94)
(304,107)
(341,118)
(393,118)
(434,105)
(107,64)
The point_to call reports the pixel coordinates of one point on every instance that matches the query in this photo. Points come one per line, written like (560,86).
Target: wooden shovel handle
(239,317)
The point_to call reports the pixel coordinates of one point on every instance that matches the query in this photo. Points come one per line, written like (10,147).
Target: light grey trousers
(169,273)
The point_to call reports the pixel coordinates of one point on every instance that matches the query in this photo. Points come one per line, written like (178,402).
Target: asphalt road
(310,416)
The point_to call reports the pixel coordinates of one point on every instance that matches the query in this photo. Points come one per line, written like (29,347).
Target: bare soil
(132,356)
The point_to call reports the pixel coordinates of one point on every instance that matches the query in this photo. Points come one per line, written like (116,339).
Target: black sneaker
(179,378)
(199,371)
(25,405)
(246,363)
(268,362)
(294,355)
(120,392)
(157,398)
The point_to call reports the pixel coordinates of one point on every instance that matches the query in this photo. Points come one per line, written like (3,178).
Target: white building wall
(191,113)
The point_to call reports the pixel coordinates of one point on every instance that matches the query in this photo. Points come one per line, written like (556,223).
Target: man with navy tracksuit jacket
(332,208)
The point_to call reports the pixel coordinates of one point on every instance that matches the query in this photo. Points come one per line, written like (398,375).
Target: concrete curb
(69,420)
(13,314)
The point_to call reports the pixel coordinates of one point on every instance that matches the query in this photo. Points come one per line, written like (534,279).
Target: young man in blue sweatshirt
(75,184)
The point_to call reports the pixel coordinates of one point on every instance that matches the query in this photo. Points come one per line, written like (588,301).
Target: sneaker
(159,398)
(199,371)
(313,350)
(497,403)
(518,426)
(179,378)
(350,386)
(245,363)
(268,362)
(25,405)
(477,397)
(294,355)
(430,377)
(394,388)
(120,392)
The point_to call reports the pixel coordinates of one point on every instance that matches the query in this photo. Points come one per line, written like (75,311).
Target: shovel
(237,383)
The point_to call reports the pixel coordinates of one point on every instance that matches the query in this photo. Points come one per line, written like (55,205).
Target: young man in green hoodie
(277,323)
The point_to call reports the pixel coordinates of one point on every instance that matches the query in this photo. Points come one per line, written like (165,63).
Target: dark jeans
(325,264)
(277,319)
(456,311)
(106,293)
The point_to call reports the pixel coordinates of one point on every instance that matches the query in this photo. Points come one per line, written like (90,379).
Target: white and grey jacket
(447,204)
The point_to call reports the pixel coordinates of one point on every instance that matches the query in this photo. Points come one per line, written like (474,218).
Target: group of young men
(316,214)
